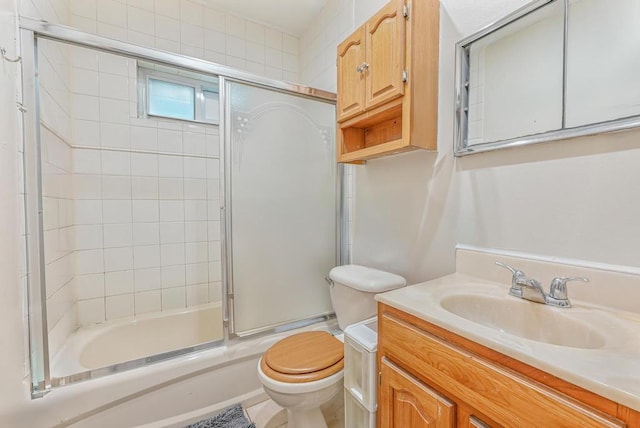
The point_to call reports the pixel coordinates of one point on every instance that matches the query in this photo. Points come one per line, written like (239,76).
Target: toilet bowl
(304,371)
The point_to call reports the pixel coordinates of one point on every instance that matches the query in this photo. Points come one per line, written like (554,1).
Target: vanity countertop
(611,369)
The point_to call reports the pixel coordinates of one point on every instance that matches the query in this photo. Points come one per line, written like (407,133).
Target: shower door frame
(31,30)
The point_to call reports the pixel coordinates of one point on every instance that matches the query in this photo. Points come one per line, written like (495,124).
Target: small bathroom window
(178,96)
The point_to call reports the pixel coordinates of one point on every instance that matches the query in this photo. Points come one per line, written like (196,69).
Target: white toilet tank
(353,290)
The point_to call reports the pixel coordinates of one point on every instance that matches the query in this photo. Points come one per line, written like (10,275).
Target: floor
(269,415)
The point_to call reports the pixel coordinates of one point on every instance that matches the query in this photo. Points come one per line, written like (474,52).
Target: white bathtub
(129,339)
(170,393)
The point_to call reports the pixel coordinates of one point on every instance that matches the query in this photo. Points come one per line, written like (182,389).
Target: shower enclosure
(171,204)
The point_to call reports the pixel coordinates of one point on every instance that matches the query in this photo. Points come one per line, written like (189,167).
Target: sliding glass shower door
(281,207)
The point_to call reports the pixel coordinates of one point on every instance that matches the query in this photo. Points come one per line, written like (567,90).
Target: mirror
(551,70)
(515,78)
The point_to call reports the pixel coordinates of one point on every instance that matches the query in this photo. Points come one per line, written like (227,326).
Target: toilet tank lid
(367,279)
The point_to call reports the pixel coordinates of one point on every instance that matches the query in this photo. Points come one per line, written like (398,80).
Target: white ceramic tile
(213,228)
(274,73)
(111,31)
(116,211)
(215,57)
(215,251)
(196,231)
(86,107)
(197,294)
(215,41)
(168,45)
(191,12)
(118,235)
(197,273)
(236,47)
(173,276)
(171,233)
(196,252)
(290,62)
(167,7)
(87,212)
(169,141)
(141,39)
(192,35)
(173,298)
(90,311)
(144,165)
(88,237)
(194,143)
(116,163)
(215,271)
(148,301)
(147,279)
(168,167)
(195,188)
(113,64)
(146,234)
(89,286)
(146,256)
(256,53)
(87,187)
(290,44)
(168,28)
(213,189)
(85,82)
(112,12)
(172,254)
(114,135)
(117,259)
(215,20)
(213,210)
(254,32)
(115,111)
(116,187)
(119,282)
(195,167)
(215,291)
(89,261)
(192,51)
(140,20)
(236,26)
(144,188)
(114,86)
(144,138)
(86,132)
(84,8)
(171,188)
(172,210)
(273,58)
(146,211)
(195,210)
(119,306)
(239,63)
(273,38)
(86,161)
(84,58)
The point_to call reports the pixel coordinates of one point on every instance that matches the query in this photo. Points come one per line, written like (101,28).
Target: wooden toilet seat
(304,357)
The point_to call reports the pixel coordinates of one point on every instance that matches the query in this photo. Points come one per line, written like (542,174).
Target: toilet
(305,370)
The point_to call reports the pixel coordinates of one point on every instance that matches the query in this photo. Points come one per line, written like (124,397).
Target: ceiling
(292,16)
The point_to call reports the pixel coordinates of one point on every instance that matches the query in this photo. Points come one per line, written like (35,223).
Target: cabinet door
(405,402)
(385,54)
(351,75)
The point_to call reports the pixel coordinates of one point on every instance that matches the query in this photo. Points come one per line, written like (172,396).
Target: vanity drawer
(504,396)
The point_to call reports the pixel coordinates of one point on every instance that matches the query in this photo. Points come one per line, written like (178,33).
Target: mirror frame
(462,97)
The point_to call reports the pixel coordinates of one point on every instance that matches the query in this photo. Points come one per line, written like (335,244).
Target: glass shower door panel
(283,206)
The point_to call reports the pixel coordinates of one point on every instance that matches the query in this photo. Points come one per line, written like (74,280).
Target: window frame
(199,89)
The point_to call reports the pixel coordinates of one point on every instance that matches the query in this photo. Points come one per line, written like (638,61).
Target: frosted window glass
(283,206)
(171,100)
(211,106)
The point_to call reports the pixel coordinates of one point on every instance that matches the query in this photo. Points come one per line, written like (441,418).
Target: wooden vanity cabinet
(388,82)
(430,377)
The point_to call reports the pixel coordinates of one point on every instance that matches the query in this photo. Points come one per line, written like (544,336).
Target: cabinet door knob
(362,67)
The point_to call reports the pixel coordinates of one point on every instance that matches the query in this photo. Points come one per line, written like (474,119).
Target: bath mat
(231,417)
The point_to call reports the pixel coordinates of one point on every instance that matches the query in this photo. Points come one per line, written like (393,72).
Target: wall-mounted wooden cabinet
(430,377)
(388,82)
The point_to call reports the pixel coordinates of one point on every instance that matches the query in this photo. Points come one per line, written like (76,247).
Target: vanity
(460,351)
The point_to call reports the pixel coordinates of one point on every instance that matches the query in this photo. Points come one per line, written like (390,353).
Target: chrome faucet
(531,289)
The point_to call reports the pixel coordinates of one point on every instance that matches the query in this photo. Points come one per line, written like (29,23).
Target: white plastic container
(360,346)
(355,415)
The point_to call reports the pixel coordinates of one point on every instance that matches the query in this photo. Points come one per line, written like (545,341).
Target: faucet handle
(559,286)
(515,272)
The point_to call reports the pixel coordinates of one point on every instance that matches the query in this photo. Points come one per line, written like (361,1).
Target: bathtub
(133,338)
(169,393)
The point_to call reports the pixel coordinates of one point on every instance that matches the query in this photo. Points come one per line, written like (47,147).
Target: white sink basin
(525,319)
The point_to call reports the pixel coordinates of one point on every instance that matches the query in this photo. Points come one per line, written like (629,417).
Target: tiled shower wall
(190,28)
(146,209)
